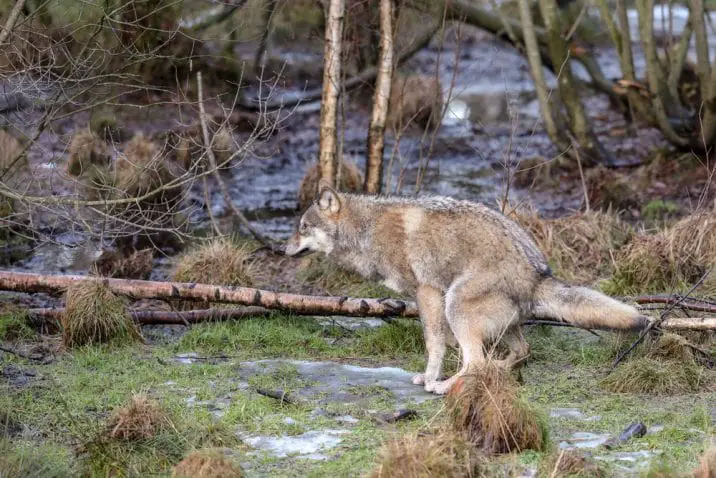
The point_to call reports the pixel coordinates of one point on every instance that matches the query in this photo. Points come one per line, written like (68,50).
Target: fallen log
(161,317)
(258,301)
(140,289)
(691,303)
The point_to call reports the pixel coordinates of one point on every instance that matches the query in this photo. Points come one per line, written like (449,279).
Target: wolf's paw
(435,386)
(419,379)
(439,387)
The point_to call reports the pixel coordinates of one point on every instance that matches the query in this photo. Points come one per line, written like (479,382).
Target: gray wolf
(475,273)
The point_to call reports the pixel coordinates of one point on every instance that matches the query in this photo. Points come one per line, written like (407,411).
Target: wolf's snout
(293,247)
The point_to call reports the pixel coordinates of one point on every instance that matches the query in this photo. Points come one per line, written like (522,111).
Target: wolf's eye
(303,227)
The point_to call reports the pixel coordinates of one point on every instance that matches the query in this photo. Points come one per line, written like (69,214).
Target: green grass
(15,325)
(65,408)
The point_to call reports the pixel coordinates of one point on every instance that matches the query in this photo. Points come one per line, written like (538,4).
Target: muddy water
(491,123)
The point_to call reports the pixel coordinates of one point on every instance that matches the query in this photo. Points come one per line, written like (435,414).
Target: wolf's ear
(328,200)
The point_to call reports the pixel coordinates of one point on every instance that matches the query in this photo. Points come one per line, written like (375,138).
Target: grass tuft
(486,405)
(218,262)
(414,99)
(10,148)
(136,265)
(655,376)
(564,463)
(94,314)
(322,274)
(141,418)
(85,151)
(351,181)
(707,467)
(207,463)
(444,453)
(579,247)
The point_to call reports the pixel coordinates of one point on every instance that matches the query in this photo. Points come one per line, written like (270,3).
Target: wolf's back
(584,307)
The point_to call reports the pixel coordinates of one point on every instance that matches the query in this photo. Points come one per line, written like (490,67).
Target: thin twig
(267,242)
(11,19)
(657,322)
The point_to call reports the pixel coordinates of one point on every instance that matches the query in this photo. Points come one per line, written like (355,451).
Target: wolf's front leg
(432,315)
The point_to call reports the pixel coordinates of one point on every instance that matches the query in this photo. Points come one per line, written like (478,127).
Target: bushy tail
(584,307)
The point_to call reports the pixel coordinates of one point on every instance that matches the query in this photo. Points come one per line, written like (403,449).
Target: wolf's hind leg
(435,329)
(519,349)
(474,321)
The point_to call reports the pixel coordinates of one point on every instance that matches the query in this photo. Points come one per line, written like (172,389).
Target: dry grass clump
(141,169)
(351,181)
(190,152)
(444,453)
(94,314)
(673,258)
(207,463)
(414,99)
(486,406)
(569,463)
(644,264)
(707,467)
(670,347)
(10,148)
(86,150)
(655,376)
(535,172)
(218,262)
(608,189)
(692,244)
(135,265)
(139,419)
(578,247)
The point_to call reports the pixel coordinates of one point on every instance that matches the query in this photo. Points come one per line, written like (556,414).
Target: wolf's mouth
(301,252)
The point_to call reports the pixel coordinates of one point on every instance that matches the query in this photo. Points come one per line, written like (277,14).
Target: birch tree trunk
(381,97)
(331,88)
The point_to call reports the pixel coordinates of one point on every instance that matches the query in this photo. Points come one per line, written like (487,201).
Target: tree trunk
(331,88)
(559,52)
(262,50)
(535,62)
(381,97)
(139,289)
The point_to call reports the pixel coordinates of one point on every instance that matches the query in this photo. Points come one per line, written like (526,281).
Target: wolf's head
(318,228)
